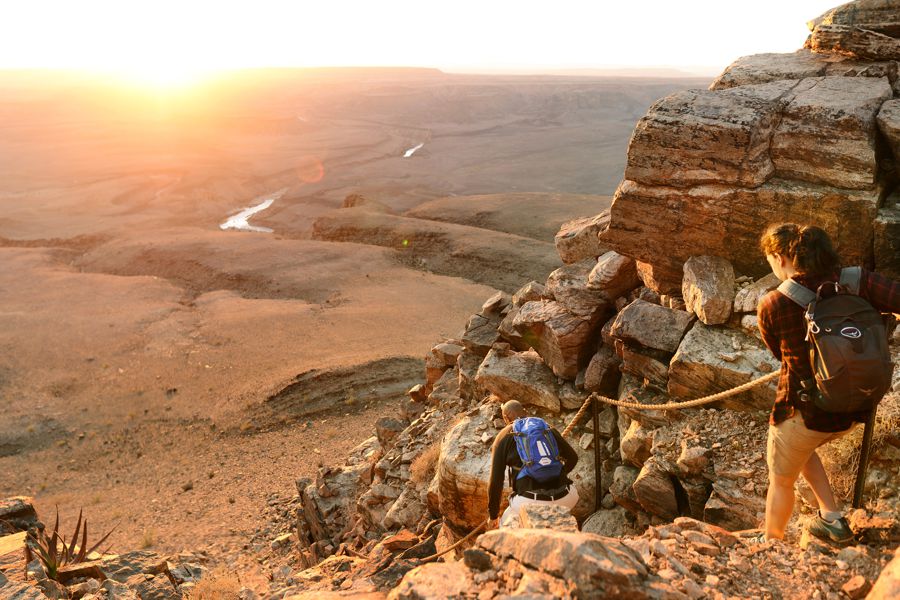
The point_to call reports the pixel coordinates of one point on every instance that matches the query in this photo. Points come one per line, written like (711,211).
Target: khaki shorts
(790,444)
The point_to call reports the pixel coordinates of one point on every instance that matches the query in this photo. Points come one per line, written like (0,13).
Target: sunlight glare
(164,75)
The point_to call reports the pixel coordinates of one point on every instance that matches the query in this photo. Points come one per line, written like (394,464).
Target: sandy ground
(142,349)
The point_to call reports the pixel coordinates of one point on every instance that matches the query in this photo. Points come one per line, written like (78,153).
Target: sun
(167,75)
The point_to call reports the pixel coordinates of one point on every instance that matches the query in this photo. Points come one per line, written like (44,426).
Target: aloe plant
(54,552)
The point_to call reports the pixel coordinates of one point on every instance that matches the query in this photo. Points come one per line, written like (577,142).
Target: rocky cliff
(656,303)
(807,136)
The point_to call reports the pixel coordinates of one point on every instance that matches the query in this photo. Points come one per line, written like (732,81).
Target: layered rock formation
(667,315)
(807,137)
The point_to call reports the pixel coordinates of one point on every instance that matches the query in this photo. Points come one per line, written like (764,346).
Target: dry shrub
(841,457)
(422,468)
(217,585)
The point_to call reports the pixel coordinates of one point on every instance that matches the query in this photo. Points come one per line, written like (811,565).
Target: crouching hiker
(538,460)
(823,324)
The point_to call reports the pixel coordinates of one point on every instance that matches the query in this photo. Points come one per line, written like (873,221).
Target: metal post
(595,409)
(864,449)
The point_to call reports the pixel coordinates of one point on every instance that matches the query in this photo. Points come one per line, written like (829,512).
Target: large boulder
(481,333)
(464,470)
(708,288)
(663,226)
(546,516)
(521,376)
(731,508)
(652,365)
(696,137)
(565,341)
(712,359)
(635,390)
(651,325)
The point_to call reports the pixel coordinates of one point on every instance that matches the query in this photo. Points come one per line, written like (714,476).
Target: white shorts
(510,516)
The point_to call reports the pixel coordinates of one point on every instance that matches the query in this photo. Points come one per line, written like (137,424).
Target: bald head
(513,410)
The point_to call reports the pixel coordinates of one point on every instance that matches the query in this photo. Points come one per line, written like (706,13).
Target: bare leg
(779,505)
(815,475)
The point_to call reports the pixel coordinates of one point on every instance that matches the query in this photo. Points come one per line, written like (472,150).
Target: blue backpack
(537,448)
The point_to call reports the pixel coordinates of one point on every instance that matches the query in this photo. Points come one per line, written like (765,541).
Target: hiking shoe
(838,532)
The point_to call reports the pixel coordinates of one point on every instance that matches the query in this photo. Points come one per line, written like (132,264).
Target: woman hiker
(796,428)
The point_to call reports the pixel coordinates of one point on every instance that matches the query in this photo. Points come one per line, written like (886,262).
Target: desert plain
(174,378)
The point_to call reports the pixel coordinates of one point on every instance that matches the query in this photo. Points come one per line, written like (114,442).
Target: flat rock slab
(698,136)
(598,566)
(521,376)
(764,68)
(664,226)
(854,41)
(714,359)
(802,64)
(651,325)
(547,516)
(827,132)
(435,581)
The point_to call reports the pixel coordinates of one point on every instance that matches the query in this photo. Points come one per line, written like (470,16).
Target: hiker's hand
(492,524)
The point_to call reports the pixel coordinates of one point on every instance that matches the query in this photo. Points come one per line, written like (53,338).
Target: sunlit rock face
(798,137)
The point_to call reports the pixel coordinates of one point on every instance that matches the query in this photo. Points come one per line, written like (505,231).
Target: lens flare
(310,170)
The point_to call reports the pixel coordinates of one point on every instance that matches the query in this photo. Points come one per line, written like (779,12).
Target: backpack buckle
(808,391)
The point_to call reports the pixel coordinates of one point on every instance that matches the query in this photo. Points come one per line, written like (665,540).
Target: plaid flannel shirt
(783,328)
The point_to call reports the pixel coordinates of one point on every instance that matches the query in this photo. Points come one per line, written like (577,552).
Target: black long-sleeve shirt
(504,454)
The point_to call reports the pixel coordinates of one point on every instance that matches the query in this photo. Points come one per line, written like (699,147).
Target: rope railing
(667,406)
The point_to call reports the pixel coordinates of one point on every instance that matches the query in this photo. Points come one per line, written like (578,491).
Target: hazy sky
(161,37)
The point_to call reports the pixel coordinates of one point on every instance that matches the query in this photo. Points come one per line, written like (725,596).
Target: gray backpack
(848,345)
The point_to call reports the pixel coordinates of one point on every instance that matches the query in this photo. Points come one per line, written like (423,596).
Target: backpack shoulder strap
(851,278)
(800,294)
